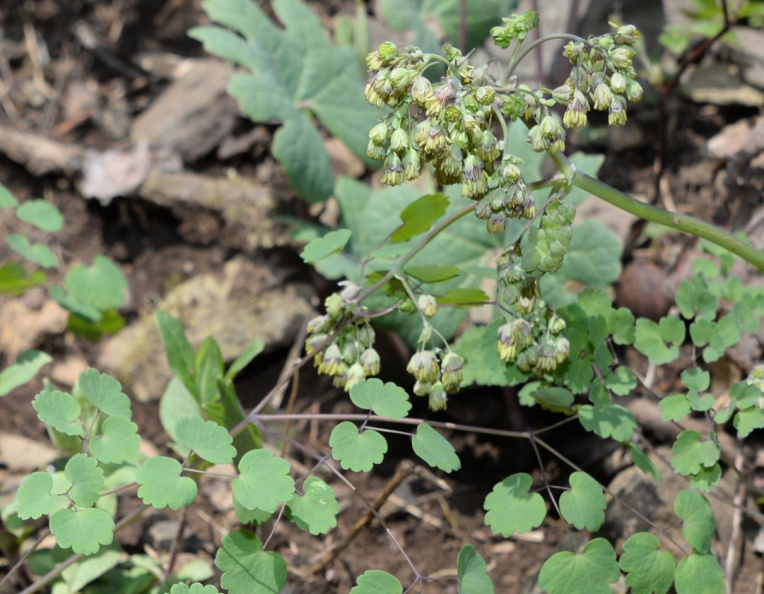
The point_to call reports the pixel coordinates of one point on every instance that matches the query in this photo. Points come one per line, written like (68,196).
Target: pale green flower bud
(621,57)
(412,165)
(393,170)
(436,142)
(427,305)
(488,150)
(485,95)
(399,141)
(547,358)
(452,373)
(371,362)
(562,349)
(627,35)
(422,388)
(372,96)
(424,366)
(617,112)
(602,96)
(378,134)
(313,342)
(421,90)
(350,353)
(562,94)
(375,151)
(365,335)
(387,51)
(510,172)
(335,306)
(332,363)
(605,42)
(400,78)
(354,374)
(374,61)
(497,222)
(318,324)
(618,83)
(438,397)
(539,143)
(475,186)
(423,132)
(556,324)
(350,291)
(574,119)
(634,91)
(483,209)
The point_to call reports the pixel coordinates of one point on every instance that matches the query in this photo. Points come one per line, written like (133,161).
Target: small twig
(176,542)
(21,560)
(404,471)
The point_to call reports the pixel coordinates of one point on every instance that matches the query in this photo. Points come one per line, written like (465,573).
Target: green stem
(654,214)
(529,48)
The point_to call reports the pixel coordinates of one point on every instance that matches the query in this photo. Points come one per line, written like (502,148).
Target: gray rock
(237,305)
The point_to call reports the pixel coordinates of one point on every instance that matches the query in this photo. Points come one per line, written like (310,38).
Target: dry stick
(404,471)
(56,571)
(731,561)
(175,547)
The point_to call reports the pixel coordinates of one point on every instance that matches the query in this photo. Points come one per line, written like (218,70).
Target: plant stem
(529,48)
(654,214)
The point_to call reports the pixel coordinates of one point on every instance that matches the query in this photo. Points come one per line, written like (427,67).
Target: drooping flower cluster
(437,374)
(347,353)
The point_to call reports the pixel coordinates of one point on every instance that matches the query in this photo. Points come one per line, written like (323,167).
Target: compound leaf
(385,399)
(208,439)
(316,510)
(650,570)
(419,216)
(691,453)
(247,569)
(357,451)
(435,449)
(511,508)
(374,581)
(24,369)
(472,569)
(323,247)
(59,410)
(105,393)
(263,481)
(34,497)
(83,531)
(41,214)
(698,519)
(590,572)
(87,479)
(162,486)
(610,420)
(37,253)
(119,441)
(584,505)
(195,588)
(699,574)
(659,342)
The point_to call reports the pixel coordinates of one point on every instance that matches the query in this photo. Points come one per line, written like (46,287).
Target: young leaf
(374,581)
(84,531)
(323,247)
(317,510)
(357,451)
(99,287)
(208,439)
(37,253)
(34,497)
(650,570)
(584,505)
(195,588)
(7,200)
(119,441)
(253,349)
(699,573)
(161,484)
(674,407)
(419,216)
(691,453)
(698,517)
(41,214)
(263,481)
(611,420)
(659,342)
(696,379)
(386,400)
(621,381)
(87,479)
(180,354)
(511,508)
(105,393)
(435,449)
(748,420)
(24,369)
(590,572)
(621,325)
(246,568)
(14,279)
(472,571)
(59,410)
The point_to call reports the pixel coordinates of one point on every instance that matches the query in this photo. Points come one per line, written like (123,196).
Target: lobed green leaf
(263,481)
(511,508)
(357,451)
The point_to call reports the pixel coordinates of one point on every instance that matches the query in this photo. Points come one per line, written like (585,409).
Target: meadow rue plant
(474,137)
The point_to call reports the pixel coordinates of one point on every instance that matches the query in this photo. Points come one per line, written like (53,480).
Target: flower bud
(335,306)
(556,324)
(618,83)
(602,96)
(427,305)
(627,35)
(422,388)
(424,366)
(387,51)
(332,363)
(374,61)
(475,178)
(365,335)
(485,95)
(438,397)
(562,349)
(350,291)
(372,96)
(621,57)
(317,324)
(399,141)
(350,352)
(452,373)
(634,91)
(354,374)
(313,342)
(378,134)
(562,94)
(497,222)
(617,112)
(400,78)
(393,170)
(375,151)
(370,361)
(412,165)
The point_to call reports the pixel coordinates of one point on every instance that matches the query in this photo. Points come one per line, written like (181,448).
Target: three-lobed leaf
(584,505)
(247,569)
(316,510)
(660,342)
(86,477)
(650,570)
(162,485)
(610,420)
(589,572)
(699,574)
(37,253)
(698,519)
(511,508)
(119,441)
(375,581)
(34,497)
(264,481)
(105,393)
(354,450)
(59,410)
(84,531)
(691,452)
(384,399)
(208,439)
(435,449)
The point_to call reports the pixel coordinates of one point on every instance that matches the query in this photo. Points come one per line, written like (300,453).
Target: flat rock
(21,453)
(193,115)
(24,321)
(243,302)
